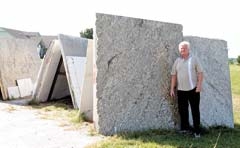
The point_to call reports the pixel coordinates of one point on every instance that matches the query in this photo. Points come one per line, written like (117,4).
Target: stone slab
(76,71)
(216,100)
(48,72)
(134,59)
(13,92)
(19,59)
(25,87)
(74,53)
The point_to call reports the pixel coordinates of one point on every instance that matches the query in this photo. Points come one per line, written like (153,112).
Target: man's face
(184,51)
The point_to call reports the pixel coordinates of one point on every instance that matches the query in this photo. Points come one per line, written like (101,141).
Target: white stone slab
(19,59)
(87,90)
(47,72)
(13,92)
(75,74)
(25,87)
(74,47)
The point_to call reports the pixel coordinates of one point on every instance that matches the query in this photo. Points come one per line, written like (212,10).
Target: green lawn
(215,137)
(235,85)
(235,79)
(61,110)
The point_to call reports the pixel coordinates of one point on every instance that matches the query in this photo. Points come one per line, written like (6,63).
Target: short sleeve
(198,66)
(174,68)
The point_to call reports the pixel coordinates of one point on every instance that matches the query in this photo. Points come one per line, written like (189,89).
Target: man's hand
(173,84)
(172,93)
(198,89)
(199,83)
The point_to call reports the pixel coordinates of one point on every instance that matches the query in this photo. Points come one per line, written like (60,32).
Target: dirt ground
(21,127)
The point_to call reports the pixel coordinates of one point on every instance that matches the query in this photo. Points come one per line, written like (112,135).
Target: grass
(215,137)
(235,80)
(60,110)
(10,109)
(218,137)
(235,86)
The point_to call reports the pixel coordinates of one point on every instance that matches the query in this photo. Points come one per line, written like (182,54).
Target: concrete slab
(25,87)
(13,92)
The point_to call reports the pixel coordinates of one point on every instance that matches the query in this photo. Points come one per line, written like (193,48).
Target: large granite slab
(134,59)
(216,100)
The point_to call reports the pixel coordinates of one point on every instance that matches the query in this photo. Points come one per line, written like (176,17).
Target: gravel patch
(21,127)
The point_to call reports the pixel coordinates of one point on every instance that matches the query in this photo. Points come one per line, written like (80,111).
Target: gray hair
(184,43)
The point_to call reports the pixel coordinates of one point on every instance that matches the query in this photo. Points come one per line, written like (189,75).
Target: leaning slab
(13,92)
(134,59)
(25,87)
(51,81)
(216,100)
(76,71)
(19,60)
(64,72)
(87,90)
(75,67)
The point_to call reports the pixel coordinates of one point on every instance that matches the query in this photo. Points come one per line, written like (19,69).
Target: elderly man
(187,74)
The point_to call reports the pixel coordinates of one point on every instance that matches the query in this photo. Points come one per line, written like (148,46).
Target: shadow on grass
(219,137)
(60,109)
(64,103)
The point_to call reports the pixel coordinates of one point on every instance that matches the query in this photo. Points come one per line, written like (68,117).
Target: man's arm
(173,84)
(199,81)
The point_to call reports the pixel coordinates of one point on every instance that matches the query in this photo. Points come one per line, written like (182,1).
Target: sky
(217,19)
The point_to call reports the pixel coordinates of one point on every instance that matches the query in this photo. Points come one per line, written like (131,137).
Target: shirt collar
(189,56)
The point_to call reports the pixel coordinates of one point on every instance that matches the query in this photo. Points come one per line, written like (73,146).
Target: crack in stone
(111,59)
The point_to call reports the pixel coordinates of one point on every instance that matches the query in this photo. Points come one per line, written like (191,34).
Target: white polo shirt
(186,71)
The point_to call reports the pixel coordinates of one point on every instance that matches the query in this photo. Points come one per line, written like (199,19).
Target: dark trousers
(193,98)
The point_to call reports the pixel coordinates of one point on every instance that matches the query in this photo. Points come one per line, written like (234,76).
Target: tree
(87,33)
(238,59)
(231,61)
